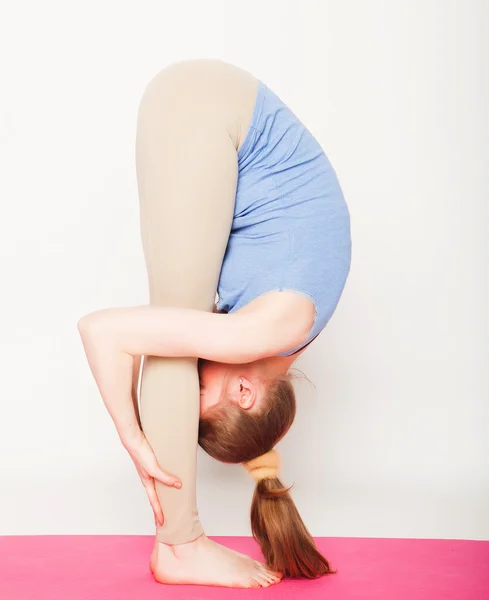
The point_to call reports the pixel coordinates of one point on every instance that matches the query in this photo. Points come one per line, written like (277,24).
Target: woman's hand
(148,468)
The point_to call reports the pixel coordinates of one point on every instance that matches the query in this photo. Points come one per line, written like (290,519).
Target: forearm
(113,370)
(186,332)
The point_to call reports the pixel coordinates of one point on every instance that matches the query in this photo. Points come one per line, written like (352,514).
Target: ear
(246,394)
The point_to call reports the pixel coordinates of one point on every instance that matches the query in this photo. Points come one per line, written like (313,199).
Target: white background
(394,439)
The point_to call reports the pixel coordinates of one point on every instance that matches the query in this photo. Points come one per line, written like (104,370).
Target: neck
(274,365)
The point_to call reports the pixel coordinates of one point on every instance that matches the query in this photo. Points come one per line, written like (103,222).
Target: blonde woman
(236,195)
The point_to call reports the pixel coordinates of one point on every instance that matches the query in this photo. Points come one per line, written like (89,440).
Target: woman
(235,195)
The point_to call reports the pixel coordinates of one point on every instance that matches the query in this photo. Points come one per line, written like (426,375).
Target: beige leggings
(192,119)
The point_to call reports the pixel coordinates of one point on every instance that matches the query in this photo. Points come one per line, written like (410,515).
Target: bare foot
(205,562)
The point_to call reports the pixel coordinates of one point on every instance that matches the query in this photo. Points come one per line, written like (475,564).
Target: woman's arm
(113,337)
(177,332)
(117,376)
(113,372)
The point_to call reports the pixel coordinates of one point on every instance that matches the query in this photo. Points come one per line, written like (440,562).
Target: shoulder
(273,322)
(287,318)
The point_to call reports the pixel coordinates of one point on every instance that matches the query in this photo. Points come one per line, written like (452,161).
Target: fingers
(165,478)
(146,459)
(153,500)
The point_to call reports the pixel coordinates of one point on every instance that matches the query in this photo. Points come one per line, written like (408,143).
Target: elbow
(99,328)
(83,326)
(87,325)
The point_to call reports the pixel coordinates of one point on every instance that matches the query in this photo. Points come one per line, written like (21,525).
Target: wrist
(135,403)
(131,438)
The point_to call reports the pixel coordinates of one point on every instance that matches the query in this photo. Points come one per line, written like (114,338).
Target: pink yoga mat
(117,568)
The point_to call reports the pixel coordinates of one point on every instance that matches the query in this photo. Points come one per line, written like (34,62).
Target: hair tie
(265,466)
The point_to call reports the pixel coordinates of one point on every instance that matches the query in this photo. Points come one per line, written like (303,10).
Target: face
(235,382)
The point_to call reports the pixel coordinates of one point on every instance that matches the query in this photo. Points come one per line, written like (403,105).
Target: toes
(254,583)
(274,576)
(268,569)
(269,577)
(262,580)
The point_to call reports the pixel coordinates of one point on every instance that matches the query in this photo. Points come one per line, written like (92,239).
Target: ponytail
(285,542)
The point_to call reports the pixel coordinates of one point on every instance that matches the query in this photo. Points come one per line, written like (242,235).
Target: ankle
(184,550)
(181,551)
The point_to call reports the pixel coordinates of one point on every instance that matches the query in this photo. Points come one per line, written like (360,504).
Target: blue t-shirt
(291,225)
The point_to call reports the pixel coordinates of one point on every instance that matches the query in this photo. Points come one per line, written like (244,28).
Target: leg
(187,175)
